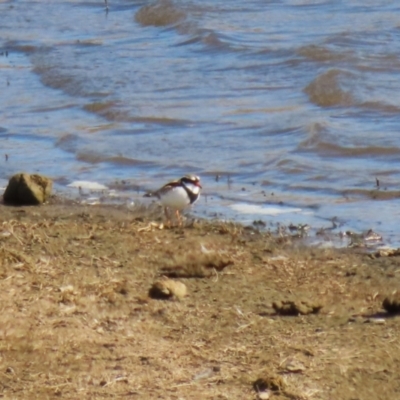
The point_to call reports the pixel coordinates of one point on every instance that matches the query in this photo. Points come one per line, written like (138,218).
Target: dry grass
(77,322)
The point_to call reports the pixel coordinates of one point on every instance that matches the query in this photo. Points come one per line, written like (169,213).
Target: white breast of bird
(176,198)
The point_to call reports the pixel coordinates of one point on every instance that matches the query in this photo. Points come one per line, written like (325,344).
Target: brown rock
(296,307)
(26,189)
(167,288)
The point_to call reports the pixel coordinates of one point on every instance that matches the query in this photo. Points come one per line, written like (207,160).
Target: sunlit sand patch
(263,210)
(91,201)
(88,185)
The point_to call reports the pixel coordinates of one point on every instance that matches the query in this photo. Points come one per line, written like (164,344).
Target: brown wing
(170,185)
(166,188)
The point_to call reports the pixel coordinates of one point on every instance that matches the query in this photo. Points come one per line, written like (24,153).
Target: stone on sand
(167,288)
(27,189)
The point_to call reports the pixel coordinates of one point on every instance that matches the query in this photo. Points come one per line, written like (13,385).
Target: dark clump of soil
(195,264)
(392,304)
(296,307)
(269,381)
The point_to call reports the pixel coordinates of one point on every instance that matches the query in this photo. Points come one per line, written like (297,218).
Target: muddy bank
(77,319)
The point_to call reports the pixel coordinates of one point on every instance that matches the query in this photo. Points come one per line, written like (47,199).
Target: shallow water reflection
(292,102)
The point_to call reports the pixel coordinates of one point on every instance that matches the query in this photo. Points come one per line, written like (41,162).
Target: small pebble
(264,395)
(377,321)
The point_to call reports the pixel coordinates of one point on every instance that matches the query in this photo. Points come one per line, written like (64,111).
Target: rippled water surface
(290,102)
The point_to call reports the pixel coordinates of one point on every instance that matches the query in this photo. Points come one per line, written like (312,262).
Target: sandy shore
(77,320)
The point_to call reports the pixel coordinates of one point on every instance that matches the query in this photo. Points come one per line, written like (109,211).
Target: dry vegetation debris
(77,321)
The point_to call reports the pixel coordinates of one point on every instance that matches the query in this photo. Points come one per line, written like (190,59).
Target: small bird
(177,195)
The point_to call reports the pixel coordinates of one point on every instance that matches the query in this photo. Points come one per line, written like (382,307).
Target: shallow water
(292,104)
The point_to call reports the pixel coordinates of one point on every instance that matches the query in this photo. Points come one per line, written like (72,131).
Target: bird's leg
(178,216)
(168,217)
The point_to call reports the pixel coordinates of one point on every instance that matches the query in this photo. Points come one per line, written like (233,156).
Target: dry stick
(183,384)
(16,237)
(19,256)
